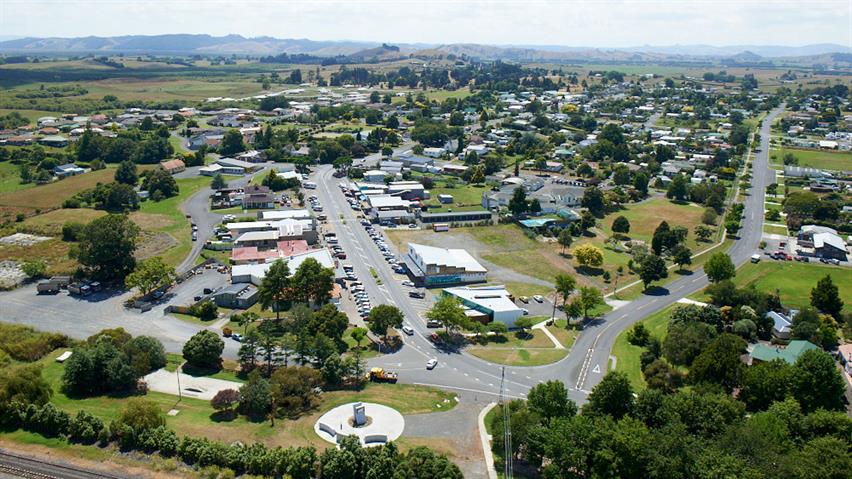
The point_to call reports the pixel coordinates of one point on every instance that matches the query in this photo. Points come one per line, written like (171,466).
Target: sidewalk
(542,326)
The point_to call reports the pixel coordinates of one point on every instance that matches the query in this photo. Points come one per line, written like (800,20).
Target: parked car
(237,337)
(416,294)
(408,283)
(524,299)
(538,298)
(435,338)
(433,323)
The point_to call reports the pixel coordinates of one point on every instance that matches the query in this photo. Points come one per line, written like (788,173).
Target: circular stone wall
(384,424)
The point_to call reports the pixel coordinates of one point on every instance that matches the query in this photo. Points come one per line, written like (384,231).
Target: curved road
(589,358)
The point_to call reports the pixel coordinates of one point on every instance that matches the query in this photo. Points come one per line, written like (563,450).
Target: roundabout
(373,424)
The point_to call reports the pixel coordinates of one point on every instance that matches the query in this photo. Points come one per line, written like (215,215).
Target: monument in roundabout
(374,424)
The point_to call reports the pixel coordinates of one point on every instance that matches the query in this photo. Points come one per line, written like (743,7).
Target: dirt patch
(152,244)
(150,221)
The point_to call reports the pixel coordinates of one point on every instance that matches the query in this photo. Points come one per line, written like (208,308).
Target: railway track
(31,468)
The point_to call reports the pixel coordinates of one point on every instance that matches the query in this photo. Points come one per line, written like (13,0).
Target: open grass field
(166,217)
(565,336)
(627,355)
(10,180)
(794,281)
(51,195)
(823,159)
(196,417)
(646,216)
(31,115)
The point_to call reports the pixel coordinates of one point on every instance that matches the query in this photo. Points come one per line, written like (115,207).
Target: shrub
(72,231)
(141,414)
(204,349)
(85,428)
(205,310)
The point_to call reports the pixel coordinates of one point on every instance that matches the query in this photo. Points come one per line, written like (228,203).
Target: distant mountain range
(237,44)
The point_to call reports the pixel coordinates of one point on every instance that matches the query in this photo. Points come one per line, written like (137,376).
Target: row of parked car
(359,294)
(379,239)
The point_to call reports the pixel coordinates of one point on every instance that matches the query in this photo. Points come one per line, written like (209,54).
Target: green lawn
(627,355)
(10,180)
(517,349)
(825,159)
(646,216)
(794,280)
(171,220)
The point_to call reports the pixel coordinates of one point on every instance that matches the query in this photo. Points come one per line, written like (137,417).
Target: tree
(126,173)
(120,198)
(550,400)
(719,267)
(703,232)
(653,268)
(151,274)
(232,143)
(685,341)
(678,188)
(358,335)
(589,298)
(565,239)
(613,396)
(816,383)
(682,256)
(274,289)
(24,384)
(719,363)
(825,297)
(142,415)
(621,225)
(293,389)
(160,184)
(384,316)
(593,200)
(640,182)
(218,182)
(663,238)
(518,203)
(662,376)
(225,400)
(204,349)
(448,310)
(422,463)
(565,285)
(709,216)
(107,246)
(589,255)
(255,396)
(34,269)
(764,383)
(312,283)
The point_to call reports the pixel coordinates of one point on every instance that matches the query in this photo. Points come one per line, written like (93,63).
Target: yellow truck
(379,375)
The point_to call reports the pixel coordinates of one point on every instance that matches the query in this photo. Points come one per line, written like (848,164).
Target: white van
(309,185)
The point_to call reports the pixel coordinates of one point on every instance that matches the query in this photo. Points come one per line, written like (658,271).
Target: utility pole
(507,428)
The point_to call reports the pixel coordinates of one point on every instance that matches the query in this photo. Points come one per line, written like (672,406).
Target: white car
(408,283)
(408,330)
(538,298)
(431,364)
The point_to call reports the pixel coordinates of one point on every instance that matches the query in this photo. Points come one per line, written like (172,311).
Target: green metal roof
(790,354)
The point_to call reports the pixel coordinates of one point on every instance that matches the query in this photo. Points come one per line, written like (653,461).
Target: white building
(434,152)
(434,266)
(492,301)
(254,273)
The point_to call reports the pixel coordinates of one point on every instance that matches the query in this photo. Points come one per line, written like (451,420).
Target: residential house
(68,169)
(790,353)
(257,196)
(173,166)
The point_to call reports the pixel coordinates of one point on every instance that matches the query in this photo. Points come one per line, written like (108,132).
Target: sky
(587,23)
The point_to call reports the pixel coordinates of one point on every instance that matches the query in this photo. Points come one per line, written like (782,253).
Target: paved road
(198,208)
(589,357)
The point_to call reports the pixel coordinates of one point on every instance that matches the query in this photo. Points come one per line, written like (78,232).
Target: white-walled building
(434,266)
(493,302)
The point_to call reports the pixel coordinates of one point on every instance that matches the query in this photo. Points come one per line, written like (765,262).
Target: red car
(435,338)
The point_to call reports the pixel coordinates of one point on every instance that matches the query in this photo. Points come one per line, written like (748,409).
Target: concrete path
(542,326)
(485,438)
(205,388)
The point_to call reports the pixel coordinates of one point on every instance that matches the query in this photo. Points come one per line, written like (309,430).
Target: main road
(589,358)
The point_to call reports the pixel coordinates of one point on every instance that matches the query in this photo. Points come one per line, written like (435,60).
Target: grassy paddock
(794,281)
(824,159)
(627,355)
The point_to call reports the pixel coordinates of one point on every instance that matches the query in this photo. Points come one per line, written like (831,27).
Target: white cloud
(600,23)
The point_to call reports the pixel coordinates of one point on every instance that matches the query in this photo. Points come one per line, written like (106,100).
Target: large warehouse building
(442,266)
(489,303)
